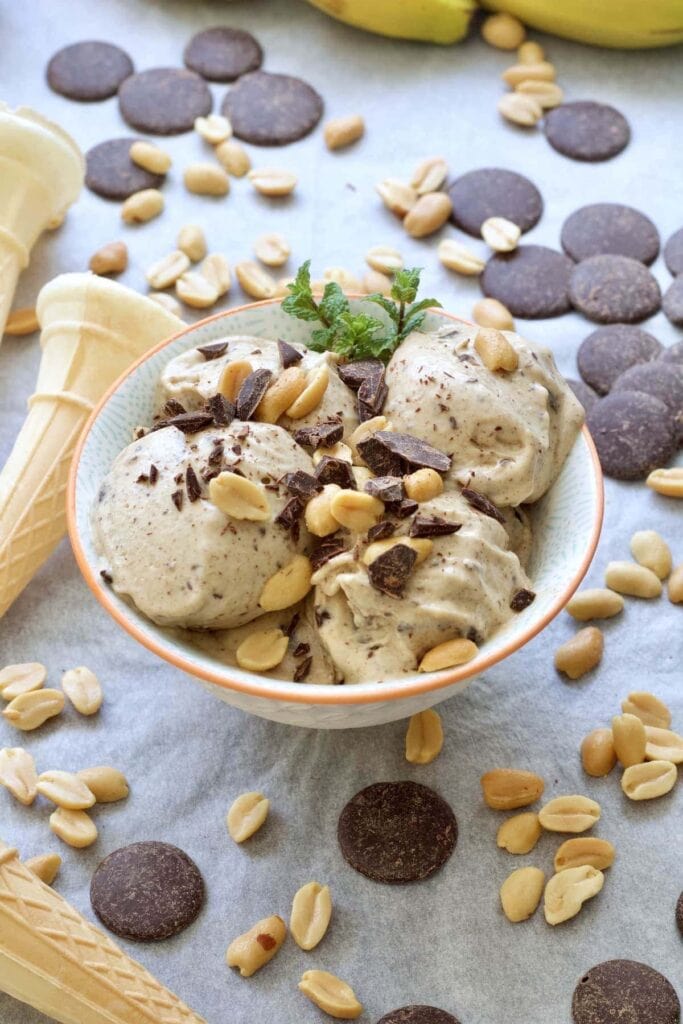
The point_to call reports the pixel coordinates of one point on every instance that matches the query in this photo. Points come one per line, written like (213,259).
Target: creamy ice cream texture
(187,564)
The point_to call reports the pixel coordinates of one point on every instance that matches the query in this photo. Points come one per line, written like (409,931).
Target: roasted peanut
(66,790)
(580,654)
(648,708)
(492,313)
(530,53)
(628,734)
(318,517)
(330,994)
(423,485)
(273,249)
(546,94)
(272,181)
(651,550)
(520,109)
(233,377)
(398,197)
(385,259)
(500,234)
(429,175)
(342,131)
(598,756)
(75,828)
(21,322)
(111,258)
(667,481)
(586,850)
(567,891)
(142,206)
(150,157)
(424,737)
(206,179)
(23,678)
(503,31)
(649,780)
(196,290)
(521,893)
(520,833)
(311,913)
(430,212)
(246,816)
(281,394)
(544,71)
(569,814)
(339,451)
(192,242)
(312,395)
(374,282)
(356,510)
(347,281)
(45,866)
(239,498)
(233,157)
(288,586)
(18,774)
(422,546)
(83,689)
(663,745)
(456,256)
(216,269)
(675,589)
(167,270)
(595,604)
(506,789)
(107,785)
(257,947)
(214,129)
(495,351)
(262,650)
(30,710)
(448,654)
(254,280)
(632,579)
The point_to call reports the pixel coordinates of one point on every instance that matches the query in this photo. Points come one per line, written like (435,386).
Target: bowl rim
(285,690)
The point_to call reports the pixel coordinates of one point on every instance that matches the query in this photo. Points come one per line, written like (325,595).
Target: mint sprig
(357,335)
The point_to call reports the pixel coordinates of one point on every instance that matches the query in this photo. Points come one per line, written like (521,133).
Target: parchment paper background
(444,941)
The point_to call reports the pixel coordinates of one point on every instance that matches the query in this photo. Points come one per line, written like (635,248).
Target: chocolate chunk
(289,356)
(142,479)
(418,1014)
(302,485)
(585,130)
(522,599)
(335,471)
(214,350)
(88,71)
(378,457)
(412,450)
(153,474)
(188,422)
(174,408)
(660,380)
(272,110)
(301,650)
(402,509)
(372,393)
(610,228)
(672,354)
(302,670)
(320,435)
(192,485)
(679,913)
(432,526)
(609,351)
(624,992)
(386,488)
(482,504)
(147,891)
(633,432)
(356,373)
(110,172)
(251,392)
(381,531)
(673,253)
(177,499)
(106,576)
(290,629)
(614,289)
(583,393)
(290,514)
(532,281)
(494,192)
(222,410)
(672,303)
(222,54)
(328,549)
(397,832)
(391,570)
(216,455)
(164,101)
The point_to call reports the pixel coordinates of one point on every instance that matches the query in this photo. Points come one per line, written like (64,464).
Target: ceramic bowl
(566,525)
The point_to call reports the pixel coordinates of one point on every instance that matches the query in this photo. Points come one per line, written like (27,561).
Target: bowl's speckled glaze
(566,525)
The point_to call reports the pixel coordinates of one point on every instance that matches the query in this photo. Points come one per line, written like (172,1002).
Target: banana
(433,21)
(624,24)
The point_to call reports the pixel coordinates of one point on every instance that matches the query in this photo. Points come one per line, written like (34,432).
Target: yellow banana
(625,24)
(433,21)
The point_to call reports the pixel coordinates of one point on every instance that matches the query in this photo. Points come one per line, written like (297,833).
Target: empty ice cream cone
(41,175)
(59,963)
(92,330)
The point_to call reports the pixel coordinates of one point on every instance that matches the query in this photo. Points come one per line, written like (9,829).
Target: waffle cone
(41,175)
(60,964)
(92,330)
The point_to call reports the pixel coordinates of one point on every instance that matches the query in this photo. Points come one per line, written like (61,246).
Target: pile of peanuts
(532,78)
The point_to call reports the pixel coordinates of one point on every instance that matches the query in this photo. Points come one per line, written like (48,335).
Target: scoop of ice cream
(508,433)
(191,378)
(173,552)
(463,588)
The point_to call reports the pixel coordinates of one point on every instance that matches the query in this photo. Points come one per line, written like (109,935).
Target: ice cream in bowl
(336,512)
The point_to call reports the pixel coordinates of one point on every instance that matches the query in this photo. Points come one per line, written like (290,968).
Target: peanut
(273,181)
(675,589)
(648,708)
(456,256)
(595,604)
(107,785)
(318,517)
(448,654)
(580,654)
(521,893)
(503,31)
(569,814)
(356,510)
(18,774)
(495,351)
(254,280)
(632,579)
(281,394)
(192,242)
(257,947)
(66,790)
(374,282)
(239,498)
(206,179)
(233,157)
(150,157)
(429,175)
(167,270)
(530,53)
(506,789)
(422,546)
(385,259)
(586,850)
(500,234)
(216,269)
(567,891)
(30,710)
(142,206)
(423,485)
(83,689)
(111,258)
(651,550)
(45,866)
(520,833)
(246,816)
(663,745)
(339,451)
(667,481)
(274,250)
(424,738)
(75,828)
(233,377)
(429,214)
(364,430)
(196,290)
(288,586)
(544,71)
(546,94)
(398,197)
(628,733)
(22,678)
(214,129)
(342,131)
(312,395)
(520,109)
(330,994)
(598,756)
(311,913)
(649,780)
(262,650)
(492,313)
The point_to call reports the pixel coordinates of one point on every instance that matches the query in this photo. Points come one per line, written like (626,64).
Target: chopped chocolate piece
(216,456)
(174,408)
(432,526)
(482,504)
(302,670)
(381,530)
(290,629)
(386,488)
(222,410)
(106,576)
(353,374)
(288,354)
(188,422)
(242,431)
(368,412)
(335,471)
(153,474)
(301,650)
(402,509)
(213,351)
(380,460)
(522,599)
(142,479)
(417,453)
(177,499)
(302,485)
(320,435)
(373,391)
(252,391)
(291,514)
(192,485)
(390,571)
(328,549)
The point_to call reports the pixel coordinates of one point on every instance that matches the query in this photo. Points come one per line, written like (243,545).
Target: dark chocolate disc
(532,281)
(586,130)
(110,172)
(494,192)
(272,110)
(673,354)
(673,253)
(614,289)
(660,380)
(164,101)
(585,394)
(672,303)
(222,54)
(610,228)
(609,351)
(625,992)
(418,1015)
(88,71)
(634,433)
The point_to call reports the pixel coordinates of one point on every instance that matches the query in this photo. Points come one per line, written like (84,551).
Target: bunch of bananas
(627,24)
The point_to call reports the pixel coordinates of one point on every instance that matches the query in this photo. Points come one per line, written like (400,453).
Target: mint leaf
(355,334)
(333,303)
(387,305)
(300,302)
(415,315)
(405,284)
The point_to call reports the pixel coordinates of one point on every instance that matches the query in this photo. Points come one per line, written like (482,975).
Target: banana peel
(431,21)
(622,24)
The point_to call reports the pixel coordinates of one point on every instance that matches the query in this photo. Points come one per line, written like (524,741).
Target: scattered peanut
(45,867)
(423,485)
(233,157)
(530,53)
(257,947)
(330,994)
(580,654)
(239,498)
(398,197)
(192,241)
(233,377)
(318,517)
(598,756)
(456,256)
(567,891)
(667,481)
(30,710)
(520,833)
(521,893)
(18,774)
(65,789)
(503,31)
(429,175)
(506,789)
(342,131)
(651,550)
(356,510)
(569,814)
(206,179)
(22,678)
(254,280)
(246,816)
(546,94)
(374,282)
(492,313)
(585,850)
(632,579)
(595,604)
(544,71)
(495,351)
(422,546)
(429,214)
(311,397)
(648,708)
(273,181)
(107,785)
(424,737)
(273,250)
(448,654)
(385,259)
(262,650)
(288,586)
(649,780)
(675,588)
(196,290)
(214,129)
(150,157)
(339,451)
(520,109)
(111,258)
(281,394)
(663,745)
(311,913)
(216,269)
(347,281)
(21,322)
(142,206)
(628,734)
(75,828)
(500,234)
(166,271)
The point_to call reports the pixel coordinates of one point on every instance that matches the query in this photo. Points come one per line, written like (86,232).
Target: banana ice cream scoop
(167,546)
(508,433)
(462,585)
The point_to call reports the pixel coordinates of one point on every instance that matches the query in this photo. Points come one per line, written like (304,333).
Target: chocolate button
(673,253)
(672,354)
(583,393)
(672,303)
(418,1015)
(110,172)
(659,380)
(272,110)
(494,192)
(532,281)
(89,71)
(634,433)
(586,130)
(625,992)
(612,229)
(614,289)
(164,101)
(606,353)
(222,54)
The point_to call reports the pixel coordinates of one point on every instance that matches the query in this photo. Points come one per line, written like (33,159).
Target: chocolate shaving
(177,499)
(213,351)
(288,354)
(301,650)
(216,456)
(381,530)
(378,457)
(391,571)
(106,576)
(386,488)
(521,600)
(290,629)
(290,514)
(188,422)
(335,471)
(328,549)
(482,504)
(302,670)
(251,392)
(402,509)
(355,373)
(142,479)
(153,474)
(416,453)
(320,435)
(373,392)
(368,412)
(432,526)
(302,485)
(222,410)
(174,408)
(192,485)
